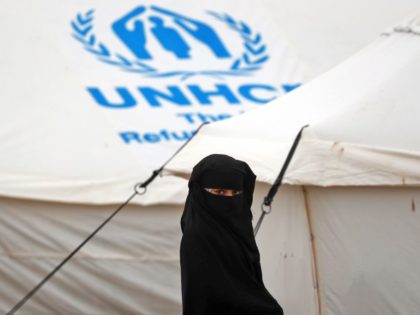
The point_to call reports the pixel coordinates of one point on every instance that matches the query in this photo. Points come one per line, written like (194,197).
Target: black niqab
(220,262)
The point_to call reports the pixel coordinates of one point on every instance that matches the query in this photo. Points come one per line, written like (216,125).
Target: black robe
(220,261)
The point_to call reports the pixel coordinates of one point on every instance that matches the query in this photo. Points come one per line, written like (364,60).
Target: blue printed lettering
(164,134)
(223,116)
(247,91)
(176,96)
(256,93)
(183,137)
(194,118)
(127,99)
(188,116)
(222,90)
(151,137)
(290,87)
(128,137)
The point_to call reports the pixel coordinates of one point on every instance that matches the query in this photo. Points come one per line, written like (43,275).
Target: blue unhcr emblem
(131,29)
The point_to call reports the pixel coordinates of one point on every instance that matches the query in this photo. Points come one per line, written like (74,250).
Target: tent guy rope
(266,205)
(139,189)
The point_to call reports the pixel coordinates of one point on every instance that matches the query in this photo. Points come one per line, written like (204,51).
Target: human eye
(215,191)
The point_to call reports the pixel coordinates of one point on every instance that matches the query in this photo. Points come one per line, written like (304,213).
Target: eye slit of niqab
(223,192)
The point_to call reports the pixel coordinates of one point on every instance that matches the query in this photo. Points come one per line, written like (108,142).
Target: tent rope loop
(139,189)
(266,208)
(266,205)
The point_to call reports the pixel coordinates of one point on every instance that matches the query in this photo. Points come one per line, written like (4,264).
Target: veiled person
(220,261)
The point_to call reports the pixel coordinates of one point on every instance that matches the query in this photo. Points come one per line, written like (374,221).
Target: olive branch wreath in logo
(250,60)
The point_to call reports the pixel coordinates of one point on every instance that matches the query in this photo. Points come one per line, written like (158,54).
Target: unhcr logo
(154,34)
(200,68)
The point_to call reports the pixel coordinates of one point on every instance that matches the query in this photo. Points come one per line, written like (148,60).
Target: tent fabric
(135,259)
(55,145)
(353,182)
(285,248)
(367,240)
(362,117)
(58,143)
(130,267)
(59,178)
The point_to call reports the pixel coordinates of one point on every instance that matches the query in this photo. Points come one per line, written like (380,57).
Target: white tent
(62,170)
(343,236)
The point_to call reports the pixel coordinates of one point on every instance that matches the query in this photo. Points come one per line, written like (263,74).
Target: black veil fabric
(220,261)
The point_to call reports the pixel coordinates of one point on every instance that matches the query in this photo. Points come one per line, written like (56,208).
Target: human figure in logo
(199,31)
(169,38)
(134,39)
